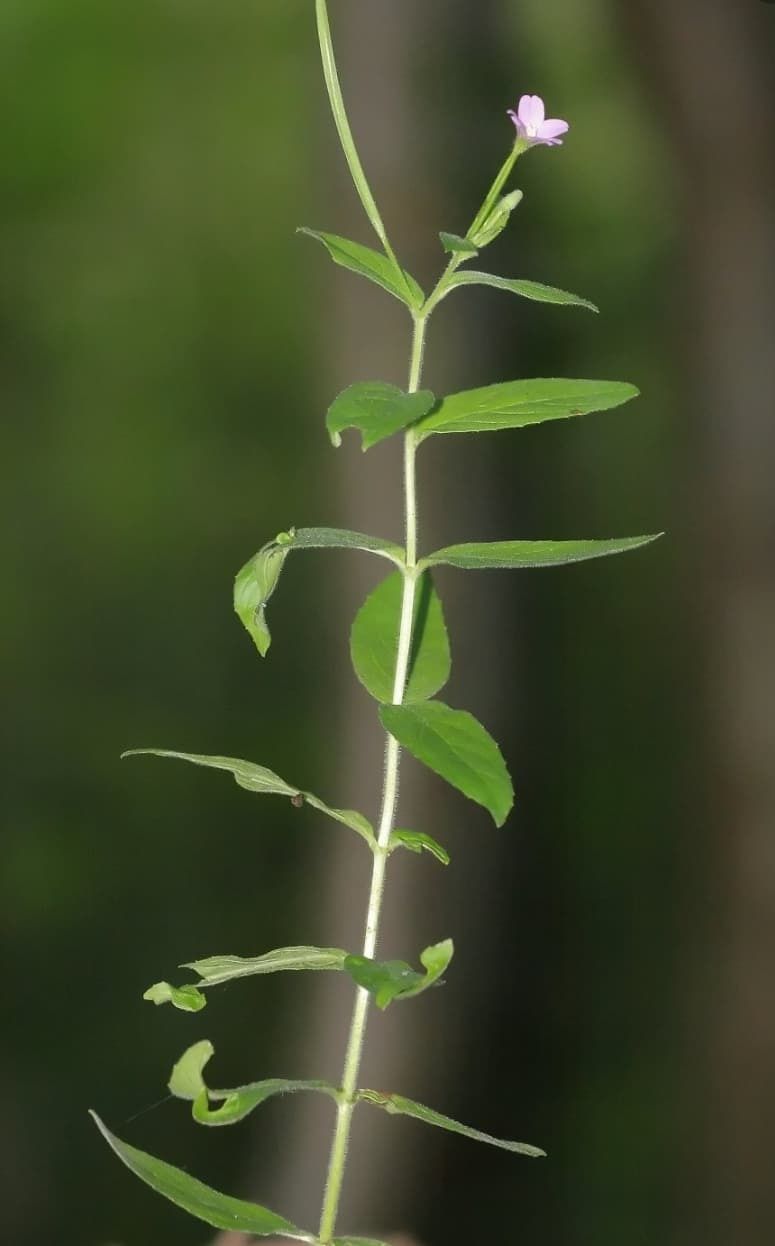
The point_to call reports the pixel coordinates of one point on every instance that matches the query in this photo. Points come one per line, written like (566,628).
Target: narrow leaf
(397,1105)
(200,1200)
(527,289)
(377,410)
(453,244)
(216,969)
(394,979)
(258,779)
(341,538)
(372,265)
(516,404)
(374,641)
(185,998)
(457,747)
(491,555)
(418,841)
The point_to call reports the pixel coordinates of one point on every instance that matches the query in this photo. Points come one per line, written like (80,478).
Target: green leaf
(453,244)
(394,979)
(377,409)
(397,1105)
(374,641)
(186,1080)
(527,289)
(418,841)
(372,265)
(187,1083)
(185,998)
(357,1241)
(216,969)
(341,538)
(490,555)
(258,779)
(497,219)
(254,585)
(516,404)
(200,1200)
(458,748)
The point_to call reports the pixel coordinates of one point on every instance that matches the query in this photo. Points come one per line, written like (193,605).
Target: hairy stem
(355,1042)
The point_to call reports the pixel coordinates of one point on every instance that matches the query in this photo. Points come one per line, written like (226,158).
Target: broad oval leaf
(527,289)
(374,641)
(377,410)
(457,747)
(493,555)
(397,1105)
(221,1211)
(395,979)
(418,841)
(372,265)
(515,404)
(258,779)
(453,244)
(342,538)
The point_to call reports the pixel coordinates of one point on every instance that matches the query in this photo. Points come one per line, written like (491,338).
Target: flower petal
(553,128)
(537,110)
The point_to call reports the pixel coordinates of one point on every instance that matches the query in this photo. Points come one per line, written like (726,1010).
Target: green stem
(334,88)
(354,1053)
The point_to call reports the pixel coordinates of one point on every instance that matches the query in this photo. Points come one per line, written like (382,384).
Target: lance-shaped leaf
(217,969)
(372,265)
(258,779)
(394,979)
(453,244)
(342,538)
(515,404)
(218,1210)
(374,641)
(187,1082)
(377,410)
(526,289)
(397,1105)
(418,841)
(254,585)
(517,555)
(457,747)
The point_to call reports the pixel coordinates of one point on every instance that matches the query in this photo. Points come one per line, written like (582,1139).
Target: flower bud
(497,220)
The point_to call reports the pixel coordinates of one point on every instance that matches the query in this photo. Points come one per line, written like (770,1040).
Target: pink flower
(532,125)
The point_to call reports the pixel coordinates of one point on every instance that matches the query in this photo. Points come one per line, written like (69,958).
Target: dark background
(168,347)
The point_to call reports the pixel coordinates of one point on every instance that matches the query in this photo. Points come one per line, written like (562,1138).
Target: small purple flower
(532,125)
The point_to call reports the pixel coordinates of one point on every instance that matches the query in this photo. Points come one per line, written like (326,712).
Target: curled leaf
(255,584)
(395,979)
(185,998)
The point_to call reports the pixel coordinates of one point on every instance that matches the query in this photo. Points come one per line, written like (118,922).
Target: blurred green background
(168,347)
